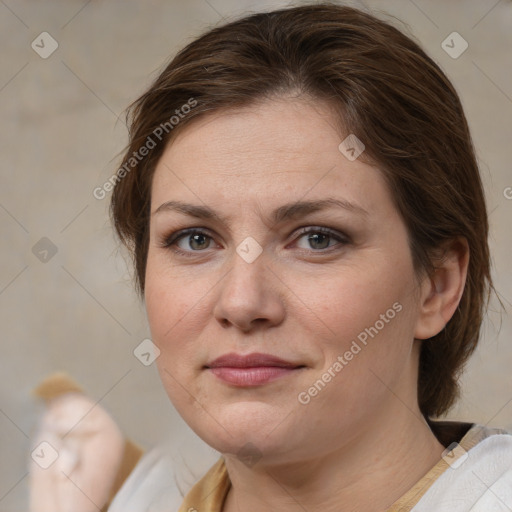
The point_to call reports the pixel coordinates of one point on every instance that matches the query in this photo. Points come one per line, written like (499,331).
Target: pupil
(197,238)
(315,239)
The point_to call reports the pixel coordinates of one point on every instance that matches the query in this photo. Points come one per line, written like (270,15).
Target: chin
(243,429)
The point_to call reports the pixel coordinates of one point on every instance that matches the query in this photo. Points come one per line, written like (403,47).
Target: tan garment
(209,494)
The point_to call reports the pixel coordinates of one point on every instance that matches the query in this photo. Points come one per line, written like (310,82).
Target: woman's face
(297,253)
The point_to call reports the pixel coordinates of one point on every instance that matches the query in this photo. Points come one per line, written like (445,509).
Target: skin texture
(361,440)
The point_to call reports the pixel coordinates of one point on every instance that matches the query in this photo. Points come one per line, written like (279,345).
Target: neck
(367,475)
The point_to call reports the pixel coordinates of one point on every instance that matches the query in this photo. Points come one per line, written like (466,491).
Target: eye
(195,240)
(187,241)
(319,238)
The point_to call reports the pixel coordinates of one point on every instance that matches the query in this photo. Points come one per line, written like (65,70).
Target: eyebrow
(288,211)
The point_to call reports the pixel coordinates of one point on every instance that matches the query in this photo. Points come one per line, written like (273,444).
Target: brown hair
(383,88)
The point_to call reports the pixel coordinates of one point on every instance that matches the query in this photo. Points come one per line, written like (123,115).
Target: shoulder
(164,475)
(479,476)
(152,479)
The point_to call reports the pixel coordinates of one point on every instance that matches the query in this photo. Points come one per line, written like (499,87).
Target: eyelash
(169,241)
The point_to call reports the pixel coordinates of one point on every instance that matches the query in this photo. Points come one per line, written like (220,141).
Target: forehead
(286,147)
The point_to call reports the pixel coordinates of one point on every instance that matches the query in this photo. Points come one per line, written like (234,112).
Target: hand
(89,447)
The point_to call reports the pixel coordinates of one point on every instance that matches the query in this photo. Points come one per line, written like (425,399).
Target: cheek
(366,313)
(347,300)
(176,316)
(169,315)
(168,299)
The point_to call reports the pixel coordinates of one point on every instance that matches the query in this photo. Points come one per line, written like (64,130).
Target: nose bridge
(248,267)
(247,292)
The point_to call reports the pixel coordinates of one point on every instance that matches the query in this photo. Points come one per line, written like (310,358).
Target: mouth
(252,369)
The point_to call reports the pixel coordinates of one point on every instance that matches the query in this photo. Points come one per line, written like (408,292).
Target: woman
(309,232)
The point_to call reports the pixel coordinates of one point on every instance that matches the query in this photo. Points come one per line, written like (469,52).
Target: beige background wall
(59,136)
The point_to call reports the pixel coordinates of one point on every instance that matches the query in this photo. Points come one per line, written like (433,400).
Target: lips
(250,361)
(251,370)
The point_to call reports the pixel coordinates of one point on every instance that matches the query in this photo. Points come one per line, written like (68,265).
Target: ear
(442,291)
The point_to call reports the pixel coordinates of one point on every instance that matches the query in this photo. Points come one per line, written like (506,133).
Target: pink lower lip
(253,376)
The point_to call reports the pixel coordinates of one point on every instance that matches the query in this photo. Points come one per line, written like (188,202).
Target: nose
(249,296)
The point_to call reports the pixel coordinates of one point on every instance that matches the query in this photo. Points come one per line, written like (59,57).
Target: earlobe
(442,291)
